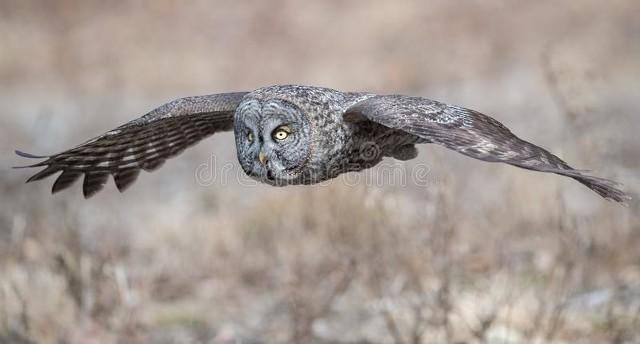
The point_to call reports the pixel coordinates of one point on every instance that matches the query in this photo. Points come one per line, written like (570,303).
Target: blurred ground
(481,253)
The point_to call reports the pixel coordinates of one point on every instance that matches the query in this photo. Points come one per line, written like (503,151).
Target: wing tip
(30,156)
(619,197)
(607,189)
(42,174)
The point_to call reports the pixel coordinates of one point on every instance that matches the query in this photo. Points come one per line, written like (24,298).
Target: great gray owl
(291,134)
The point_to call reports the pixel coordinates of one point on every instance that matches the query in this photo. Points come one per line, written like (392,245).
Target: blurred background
(479,253)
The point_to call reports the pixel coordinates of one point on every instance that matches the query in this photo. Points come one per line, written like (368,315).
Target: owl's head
(272,140)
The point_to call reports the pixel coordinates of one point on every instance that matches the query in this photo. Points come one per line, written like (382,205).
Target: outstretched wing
(142,144)
(472,134)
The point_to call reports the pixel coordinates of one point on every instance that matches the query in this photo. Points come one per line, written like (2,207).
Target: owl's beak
(262,158)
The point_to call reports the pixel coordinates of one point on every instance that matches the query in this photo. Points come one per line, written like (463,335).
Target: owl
(292,134)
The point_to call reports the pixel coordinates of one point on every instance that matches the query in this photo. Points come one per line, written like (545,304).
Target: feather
(64,180)
(93,182)
(124,178)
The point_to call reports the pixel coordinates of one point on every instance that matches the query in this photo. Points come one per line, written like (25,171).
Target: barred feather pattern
(142,144)
(472,134)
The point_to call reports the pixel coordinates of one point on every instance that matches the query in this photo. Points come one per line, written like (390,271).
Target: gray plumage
(290,134)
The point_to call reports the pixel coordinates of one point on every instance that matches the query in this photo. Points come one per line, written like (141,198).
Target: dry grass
(481,253)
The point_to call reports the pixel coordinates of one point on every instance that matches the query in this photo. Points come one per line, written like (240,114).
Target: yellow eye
(249,136)
(281,133)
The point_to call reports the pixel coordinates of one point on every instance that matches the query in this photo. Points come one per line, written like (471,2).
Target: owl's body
(290,134)
(333,146)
